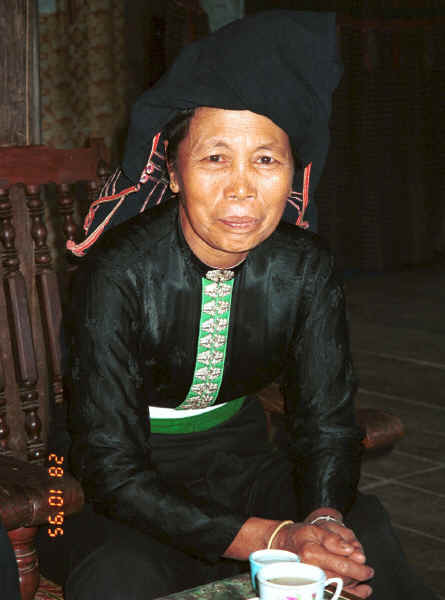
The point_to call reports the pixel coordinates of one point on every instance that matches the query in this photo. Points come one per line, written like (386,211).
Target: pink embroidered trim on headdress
(105,196)
(79,249)
(300,200)
(150,166)
(306,179)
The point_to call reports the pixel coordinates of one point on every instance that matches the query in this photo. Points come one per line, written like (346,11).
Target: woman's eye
(219,160)
(266,160)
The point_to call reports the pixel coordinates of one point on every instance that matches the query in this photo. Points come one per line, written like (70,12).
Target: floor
(397,323)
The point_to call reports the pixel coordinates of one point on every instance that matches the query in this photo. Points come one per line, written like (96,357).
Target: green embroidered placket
(216,299)
(212,341)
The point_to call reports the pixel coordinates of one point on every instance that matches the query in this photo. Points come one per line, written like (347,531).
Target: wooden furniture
(36,220)
(381,429)
(43,193)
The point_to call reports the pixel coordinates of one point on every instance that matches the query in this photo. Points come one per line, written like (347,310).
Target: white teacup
(261,558)
(294,581)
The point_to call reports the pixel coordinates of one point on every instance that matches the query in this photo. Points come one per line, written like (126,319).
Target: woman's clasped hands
(331,546)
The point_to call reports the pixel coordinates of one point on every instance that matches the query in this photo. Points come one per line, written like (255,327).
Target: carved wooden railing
(34,227)
(6,232)
(19,318)
(4,429)
(65,204)
(47,289)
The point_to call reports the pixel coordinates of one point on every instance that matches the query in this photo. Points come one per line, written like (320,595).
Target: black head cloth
(281,64)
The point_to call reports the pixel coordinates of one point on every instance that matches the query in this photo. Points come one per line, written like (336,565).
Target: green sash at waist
(202,422)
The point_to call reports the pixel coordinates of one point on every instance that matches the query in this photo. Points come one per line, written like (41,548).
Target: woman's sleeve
(108,422)
(319,389)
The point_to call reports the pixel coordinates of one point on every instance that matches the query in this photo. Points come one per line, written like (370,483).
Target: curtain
(83,72)
(382,196)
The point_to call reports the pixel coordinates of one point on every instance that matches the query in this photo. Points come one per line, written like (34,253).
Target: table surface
(233,588)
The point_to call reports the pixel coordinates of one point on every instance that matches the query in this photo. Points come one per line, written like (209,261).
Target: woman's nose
(240,185)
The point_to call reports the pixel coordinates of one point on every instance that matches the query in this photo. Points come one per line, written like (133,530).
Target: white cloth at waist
(159,412)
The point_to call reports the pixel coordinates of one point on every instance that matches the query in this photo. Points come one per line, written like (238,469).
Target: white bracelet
(327,518)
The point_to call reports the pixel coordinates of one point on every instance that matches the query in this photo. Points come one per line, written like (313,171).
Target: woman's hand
(318,518)
(332,547)
(358,555)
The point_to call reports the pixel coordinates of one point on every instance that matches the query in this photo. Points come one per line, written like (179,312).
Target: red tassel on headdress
(109,194)
(300,200)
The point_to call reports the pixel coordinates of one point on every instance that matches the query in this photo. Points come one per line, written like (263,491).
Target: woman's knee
(371,523)
(117,574)
(368,515)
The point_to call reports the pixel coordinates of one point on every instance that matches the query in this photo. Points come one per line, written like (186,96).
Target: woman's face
(234,172)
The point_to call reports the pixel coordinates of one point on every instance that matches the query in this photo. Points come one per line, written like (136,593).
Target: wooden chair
(43,192)
(382,429)
(36,220)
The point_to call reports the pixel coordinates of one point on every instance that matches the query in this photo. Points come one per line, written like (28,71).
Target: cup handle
(339,582)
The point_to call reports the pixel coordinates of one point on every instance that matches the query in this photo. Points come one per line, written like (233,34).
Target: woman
(9,575)
(183,313)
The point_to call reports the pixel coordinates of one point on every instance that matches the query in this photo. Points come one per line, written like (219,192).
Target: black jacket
(135,317)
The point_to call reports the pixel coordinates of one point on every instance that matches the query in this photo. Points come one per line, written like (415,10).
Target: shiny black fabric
(9,575)
(283,64)
(135,321)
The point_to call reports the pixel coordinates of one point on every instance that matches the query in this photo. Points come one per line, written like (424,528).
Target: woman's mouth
(240,223)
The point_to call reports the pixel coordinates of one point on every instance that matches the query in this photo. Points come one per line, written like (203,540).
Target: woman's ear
(174,186)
